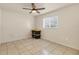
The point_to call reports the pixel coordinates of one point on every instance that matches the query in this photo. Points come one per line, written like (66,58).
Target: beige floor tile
(35,47)
(3,49)
(70,51)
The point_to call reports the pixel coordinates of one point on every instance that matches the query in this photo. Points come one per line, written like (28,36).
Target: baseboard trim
(14,40)
(60,44)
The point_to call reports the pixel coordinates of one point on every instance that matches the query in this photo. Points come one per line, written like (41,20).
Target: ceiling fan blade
(27,8)
(33,6)
(37,11)
(40,8)
(30,12)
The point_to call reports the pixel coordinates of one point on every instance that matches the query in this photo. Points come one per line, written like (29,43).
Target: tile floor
(35,47)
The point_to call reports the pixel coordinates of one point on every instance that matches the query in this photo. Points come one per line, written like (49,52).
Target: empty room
(39,29)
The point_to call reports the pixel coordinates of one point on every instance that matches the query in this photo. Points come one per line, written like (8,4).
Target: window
(50,22)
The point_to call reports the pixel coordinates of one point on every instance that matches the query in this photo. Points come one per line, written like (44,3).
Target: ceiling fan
(34,9)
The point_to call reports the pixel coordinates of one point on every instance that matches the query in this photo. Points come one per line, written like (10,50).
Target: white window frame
(49,23)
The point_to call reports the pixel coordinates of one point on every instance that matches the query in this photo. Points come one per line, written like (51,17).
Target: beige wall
(67,32)
(15,25)
(0,27)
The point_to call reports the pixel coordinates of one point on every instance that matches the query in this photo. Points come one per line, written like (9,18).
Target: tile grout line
(17,49)
(7,48)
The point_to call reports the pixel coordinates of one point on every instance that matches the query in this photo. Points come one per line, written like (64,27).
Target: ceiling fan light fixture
(34,11)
